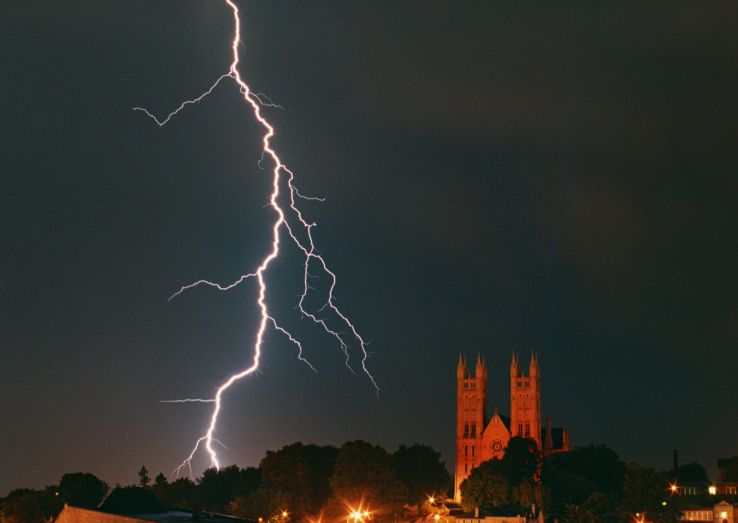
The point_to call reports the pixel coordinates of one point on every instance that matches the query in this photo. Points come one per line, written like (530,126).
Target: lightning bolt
(281,175)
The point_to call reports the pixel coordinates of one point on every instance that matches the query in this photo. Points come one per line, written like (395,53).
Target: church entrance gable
(495,438)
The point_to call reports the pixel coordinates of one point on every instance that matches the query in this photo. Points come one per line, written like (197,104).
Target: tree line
(303,481)
(311,482)
(585,485)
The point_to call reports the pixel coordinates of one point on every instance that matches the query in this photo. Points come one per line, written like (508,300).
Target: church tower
(525,400)
(471,396)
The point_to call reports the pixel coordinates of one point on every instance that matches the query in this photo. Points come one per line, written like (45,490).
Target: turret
(481,370)
(514,367)
(461,368)
(533,367)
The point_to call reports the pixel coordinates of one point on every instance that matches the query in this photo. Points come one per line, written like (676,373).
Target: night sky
(504,177)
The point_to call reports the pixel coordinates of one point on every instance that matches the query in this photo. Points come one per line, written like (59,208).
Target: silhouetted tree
(729,469)
(295,478)
(217,488)
(364,472)
(131,500)
(143,477)
(82,489)
(691,473)
(421,470)
(522,460)
(598,464)
(512,480)
(645,491)
(488,485)
(584,483)
(180,493)
(160,480)
(30,506)
(565,488)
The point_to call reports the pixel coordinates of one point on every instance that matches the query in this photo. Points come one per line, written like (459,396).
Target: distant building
(722,512)
(479,439)
(711,502)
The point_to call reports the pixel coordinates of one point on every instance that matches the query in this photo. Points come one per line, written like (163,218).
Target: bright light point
(712,489)
(431,499)
(358,515)
(673,487)
(663,503)
(723,515)
(436,517)
(284,514)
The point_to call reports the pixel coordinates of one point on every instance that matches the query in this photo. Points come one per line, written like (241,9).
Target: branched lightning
(312,257)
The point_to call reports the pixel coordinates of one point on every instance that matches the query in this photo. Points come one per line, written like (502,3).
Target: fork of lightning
(281,176)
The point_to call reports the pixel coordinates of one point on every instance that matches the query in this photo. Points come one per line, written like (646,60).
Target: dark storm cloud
(498,177)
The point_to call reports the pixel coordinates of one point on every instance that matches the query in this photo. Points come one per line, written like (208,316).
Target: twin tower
(479,437)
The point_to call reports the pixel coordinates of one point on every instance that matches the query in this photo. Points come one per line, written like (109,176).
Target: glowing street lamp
(359,515)
(712,489)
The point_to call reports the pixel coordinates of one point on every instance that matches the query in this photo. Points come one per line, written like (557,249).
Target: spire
(481,370)
(533,369)
(514,367)
(461,368)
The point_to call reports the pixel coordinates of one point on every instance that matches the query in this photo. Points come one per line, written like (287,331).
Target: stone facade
(479,438)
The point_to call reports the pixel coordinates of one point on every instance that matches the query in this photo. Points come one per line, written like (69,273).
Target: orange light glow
(358,515)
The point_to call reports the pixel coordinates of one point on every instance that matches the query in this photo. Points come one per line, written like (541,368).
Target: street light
(359,515)
(712,489)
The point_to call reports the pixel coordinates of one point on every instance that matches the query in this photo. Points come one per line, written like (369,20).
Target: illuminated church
(479,438)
